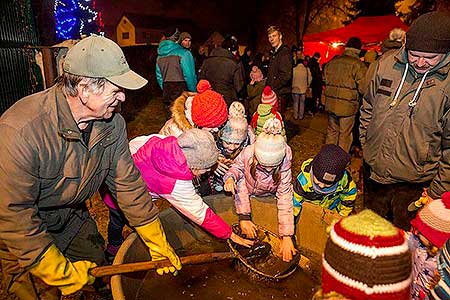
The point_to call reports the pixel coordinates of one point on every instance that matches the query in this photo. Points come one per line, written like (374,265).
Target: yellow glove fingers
(154,237)
(55,270)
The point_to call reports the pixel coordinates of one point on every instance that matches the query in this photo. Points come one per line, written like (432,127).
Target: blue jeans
(299,105)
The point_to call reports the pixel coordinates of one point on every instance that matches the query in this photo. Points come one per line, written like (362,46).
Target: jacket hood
(166,157)
(178,111)
(264,109)
(353,52)
(167,46)
(221,52)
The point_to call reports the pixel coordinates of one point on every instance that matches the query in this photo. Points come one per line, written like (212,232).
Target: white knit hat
(270,145)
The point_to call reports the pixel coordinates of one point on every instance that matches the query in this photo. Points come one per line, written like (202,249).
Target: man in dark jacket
(279,74)
(175,69)
(223,71)
(58,147)
(316,83)
(405,122)
(344,76)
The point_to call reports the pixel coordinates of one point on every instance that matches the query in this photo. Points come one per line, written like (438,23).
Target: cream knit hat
(270,145)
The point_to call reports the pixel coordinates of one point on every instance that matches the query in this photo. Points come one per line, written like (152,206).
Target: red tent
(371,30)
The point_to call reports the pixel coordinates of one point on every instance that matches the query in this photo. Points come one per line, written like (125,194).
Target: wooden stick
(149,265)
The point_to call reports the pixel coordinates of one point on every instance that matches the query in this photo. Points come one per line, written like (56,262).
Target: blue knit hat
(235,130)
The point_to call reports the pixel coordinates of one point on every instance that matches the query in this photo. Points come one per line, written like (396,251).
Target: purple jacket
(263,186)
(164,169)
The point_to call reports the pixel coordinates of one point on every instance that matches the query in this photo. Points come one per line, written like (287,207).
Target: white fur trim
(376,289)
(372,252)
(188,110)
(140,141)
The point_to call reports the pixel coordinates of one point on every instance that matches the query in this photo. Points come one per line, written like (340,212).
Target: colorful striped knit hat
(433,220)
(268,96)
(367,258)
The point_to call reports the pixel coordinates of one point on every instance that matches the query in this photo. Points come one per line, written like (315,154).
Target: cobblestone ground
(304,136)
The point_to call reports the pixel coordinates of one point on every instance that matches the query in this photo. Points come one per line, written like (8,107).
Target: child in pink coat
(264,169)
(168,165)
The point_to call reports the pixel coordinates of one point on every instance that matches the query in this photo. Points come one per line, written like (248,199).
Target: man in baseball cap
(59,146)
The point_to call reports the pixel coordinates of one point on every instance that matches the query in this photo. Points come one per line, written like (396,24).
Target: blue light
(73,18)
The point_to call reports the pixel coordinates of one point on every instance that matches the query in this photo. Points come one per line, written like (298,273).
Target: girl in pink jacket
(264,169)
(168,165)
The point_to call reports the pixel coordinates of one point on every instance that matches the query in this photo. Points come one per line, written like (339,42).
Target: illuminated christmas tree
(75,18)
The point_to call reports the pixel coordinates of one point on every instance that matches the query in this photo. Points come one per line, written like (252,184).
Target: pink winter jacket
(164,169)
(263,186)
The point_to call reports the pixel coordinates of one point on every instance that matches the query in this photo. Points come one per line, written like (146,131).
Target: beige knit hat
(236,109)
(199,148)
(270,145)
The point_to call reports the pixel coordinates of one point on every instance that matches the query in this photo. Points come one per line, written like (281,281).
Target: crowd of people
(62,145)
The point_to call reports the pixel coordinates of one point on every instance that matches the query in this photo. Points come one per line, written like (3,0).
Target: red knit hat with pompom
(208,107)
(433,221)
(268,96)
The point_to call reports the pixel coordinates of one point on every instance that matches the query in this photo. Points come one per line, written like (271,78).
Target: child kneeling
(324,181)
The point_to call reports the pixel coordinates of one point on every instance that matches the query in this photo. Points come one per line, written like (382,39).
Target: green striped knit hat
(367,258)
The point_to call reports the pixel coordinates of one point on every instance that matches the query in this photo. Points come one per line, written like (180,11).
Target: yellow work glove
(56,270)
(154,237)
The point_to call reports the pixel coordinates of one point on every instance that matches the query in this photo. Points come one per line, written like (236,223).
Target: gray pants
(88,244)
(339,131)
(299,105)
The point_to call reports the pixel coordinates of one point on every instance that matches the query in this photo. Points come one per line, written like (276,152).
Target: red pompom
(203,85)
(446,199)
(267,90)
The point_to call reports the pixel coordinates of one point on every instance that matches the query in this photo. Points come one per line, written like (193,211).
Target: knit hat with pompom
(269,96)
(270,145)
(367,258)
(236,109)
(433,221)
(256,74)
(208,107)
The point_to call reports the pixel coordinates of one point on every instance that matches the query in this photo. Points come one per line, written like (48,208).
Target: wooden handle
(149,265)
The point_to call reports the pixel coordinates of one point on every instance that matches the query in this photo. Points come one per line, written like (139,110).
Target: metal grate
(19,75)
(16,23)
(17,78)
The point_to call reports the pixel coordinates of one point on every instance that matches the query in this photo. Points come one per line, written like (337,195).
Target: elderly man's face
(102,105)
(186,43)
(424,61)
(275,39)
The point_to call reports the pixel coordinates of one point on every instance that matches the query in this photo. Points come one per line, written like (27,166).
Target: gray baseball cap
(100,57)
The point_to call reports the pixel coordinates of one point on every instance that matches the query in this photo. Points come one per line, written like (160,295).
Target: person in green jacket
(324,181)
(344,82)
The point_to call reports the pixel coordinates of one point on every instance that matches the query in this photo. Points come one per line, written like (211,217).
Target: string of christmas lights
(75,18)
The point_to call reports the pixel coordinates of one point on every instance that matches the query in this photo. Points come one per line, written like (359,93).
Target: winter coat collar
(221,52)
(67,126)
(352,52)
(276,51)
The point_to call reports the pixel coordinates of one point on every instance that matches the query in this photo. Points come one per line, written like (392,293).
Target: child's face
(431,249)
(230,147)
(321,184)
